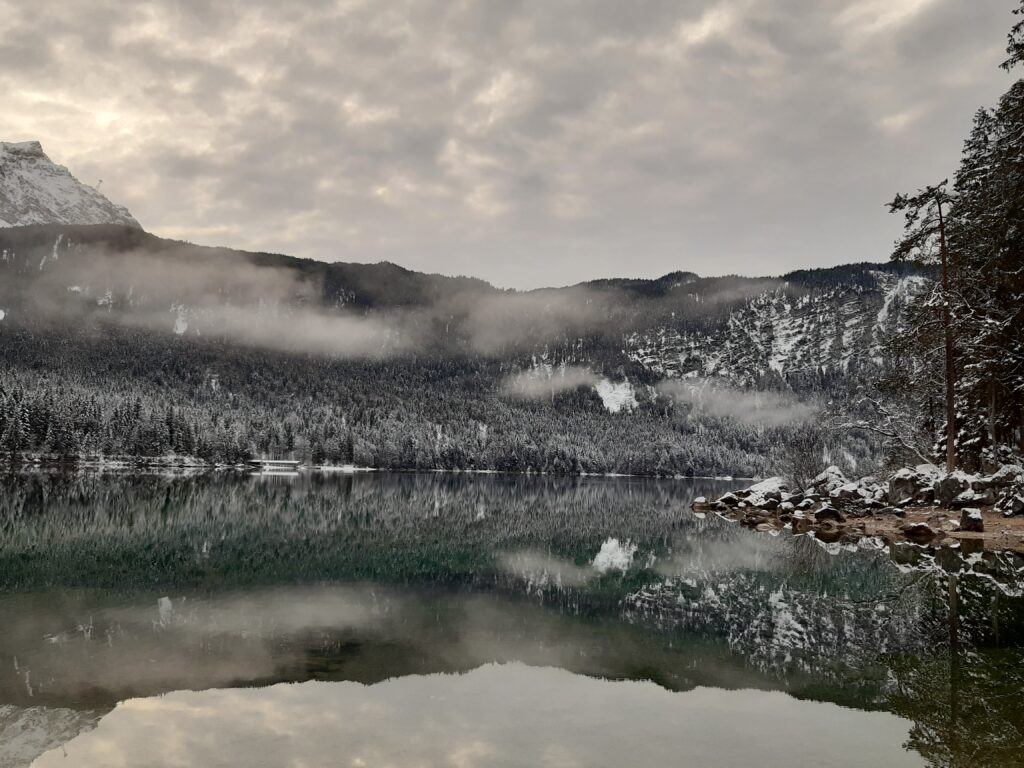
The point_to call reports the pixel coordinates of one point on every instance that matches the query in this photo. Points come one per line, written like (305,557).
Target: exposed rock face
(35,190)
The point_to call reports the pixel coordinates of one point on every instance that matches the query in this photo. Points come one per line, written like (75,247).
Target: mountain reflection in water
(510,715)
(114,588)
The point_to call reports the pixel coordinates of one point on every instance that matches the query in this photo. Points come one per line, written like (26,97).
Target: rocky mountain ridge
(35,190)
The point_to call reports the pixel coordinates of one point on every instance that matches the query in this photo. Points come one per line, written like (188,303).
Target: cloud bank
(528,143)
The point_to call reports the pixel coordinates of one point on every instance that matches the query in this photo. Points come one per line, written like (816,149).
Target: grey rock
(971,520)
(829,514)
(919,532)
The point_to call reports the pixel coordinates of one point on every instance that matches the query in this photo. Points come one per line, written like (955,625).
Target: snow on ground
(616,396)
(787,333)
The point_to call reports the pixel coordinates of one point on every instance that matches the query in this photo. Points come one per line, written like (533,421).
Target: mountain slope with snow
(35,190)
(794,329)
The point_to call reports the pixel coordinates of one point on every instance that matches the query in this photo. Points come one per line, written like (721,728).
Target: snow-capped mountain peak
(35,190)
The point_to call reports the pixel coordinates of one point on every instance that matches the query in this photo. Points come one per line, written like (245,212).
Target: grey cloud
(529,143)
(540,384)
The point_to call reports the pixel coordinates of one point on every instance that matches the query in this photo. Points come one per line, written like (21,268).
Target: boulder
(772,488)
(919,532)
(904,486)
(830,514)
(970,498)
(850,491)
(1008,474)
(925,497)
(971,520)
(949,487)
(829,480)
(729,499)
(895,511)
(1012,504)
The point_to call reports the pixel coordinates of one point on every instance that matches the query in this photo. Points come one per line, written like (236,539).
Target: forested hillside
(115,342)
(960,391)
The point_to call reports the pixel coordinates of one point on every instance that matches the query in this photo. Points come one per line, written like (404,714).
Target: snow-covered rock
(832,479)
(971,520)
(35,190)
(1008,474)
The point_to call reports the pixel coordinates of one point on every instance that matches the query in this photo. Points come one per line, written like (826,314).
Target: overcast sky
(526,142)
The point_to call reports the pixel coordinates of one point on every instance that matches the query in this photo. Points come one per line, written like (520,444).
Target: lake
(483,620)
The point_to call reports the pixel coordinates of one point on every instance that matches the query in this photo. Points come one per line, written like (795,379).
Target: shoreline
(147,465)
(930,527)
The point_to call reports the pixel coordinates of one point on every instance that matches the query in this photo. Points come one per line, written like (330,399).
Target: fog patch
(544,382)
(193,293)
(761,408)
(541,570)
(505,322)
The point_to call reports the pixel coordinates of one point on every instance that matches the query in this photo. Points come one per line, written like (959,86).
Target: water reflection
(121,587)
(509,715)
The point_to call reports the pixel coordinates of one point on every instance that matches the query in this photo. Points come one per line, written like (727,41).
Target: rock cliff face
(35,190)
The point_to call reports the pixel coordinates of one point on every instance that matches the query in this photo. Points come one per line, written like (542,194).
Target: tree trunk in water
(954,662)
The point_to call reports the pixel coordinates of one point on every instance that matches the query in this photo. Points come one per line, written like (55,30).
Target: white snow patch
(616,396)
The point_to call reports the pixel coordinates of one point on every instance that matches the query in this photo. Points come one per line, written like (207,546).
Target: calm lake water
(457,620)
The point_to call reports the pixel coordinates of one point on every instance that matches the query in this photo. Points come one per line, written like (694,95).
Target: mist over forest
(121,343)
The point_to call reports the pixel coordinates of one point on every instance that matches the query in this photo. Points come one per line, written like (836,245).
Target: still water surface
(439,620)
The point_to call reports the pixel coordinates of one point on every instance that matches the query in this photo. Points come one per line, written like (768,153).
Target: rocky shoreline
(921,505)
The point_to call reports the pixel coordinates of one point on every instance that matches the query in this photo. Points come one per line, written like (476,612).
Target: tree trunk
(947,331)
(992,415)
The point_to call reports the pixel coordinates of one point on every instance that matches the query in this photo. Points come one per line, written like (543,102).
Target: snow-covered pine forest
(961,353)
(117,343)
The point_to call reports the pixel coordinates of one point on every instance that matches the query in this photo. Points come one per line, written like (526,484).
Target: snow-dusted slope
(837,329)
(35,190)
